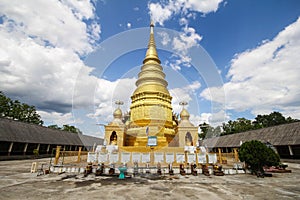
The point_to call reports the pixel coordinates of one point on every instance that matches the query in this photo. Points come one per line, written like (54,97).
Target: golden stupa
(151,112)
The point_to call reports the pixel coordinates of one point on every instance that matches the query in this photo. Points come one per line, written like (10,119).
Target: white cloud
(183,94)
(187,39)
(181,45)
(40,50)
(57,118)
(203,6)
(107,93)
(163,11)
(165,38)
(183,21)
(39,20)
(196,119)
(265,78)
(213,119)
(160,12)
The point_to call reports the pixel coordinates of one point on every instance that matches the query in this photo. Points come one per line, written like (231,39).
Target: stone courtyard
(18,183)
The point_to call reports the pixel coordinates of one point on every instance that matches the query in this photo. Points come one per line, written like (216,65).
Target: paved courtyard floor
(16,182)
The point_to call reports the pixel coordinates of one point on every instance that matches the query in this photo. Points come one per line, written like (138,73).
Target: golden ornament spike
(151,54)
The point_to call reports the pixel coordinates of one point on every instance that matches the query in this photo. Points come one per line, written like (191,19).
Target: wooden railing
(68,157)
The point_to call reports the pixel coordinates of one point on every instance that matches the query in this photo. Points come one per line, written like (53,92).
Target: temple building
(151,113)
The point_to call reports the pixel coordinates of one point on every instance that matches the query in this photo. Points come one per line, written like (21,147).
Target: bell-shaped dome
(117,118)
(184,114)
(118,113)
(185,119)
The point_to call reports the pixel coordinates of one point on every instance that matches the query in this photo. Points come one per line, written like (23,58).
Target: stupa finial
(183,103)
(151,54)
(119,103)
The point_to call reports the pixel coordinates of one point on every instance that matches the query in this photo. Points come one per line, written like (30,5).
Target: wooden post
(57,155)
(197,151)
(236,156)
(220,155)
(151,156)
(185,158)
(79,153)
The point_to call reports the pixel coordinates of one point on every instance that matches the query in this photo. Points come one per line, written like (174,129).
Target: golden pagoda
(151,111)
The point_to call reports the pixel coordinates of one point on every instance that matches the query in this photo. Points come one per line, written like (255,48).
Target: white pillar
(10,148)
(291,151)
(48,148)
(25,148)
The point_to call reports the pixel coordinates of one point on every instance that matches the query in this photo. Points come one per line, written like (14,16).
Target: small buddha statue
(188,139)
(188,142)
(114,140)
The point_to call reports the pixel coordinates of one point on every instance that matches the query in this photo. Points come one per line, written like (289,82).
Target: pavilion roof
(16,131)
(285,134)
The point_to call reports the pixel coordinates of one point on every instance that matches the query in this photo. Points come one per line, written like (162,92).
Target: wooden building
(285,138)
(20,139)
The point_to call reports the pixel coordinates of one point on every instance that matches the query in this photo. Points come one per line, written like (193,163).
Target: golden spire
(151,55)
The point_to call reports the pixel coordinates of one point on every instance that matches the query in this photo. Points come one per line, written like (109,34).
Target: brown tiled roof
(286,134)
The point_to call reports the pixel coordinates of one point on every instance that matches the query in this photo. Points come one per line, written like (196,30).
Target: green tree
(204,129)
(66,127)
(257,155)
(70,128)
(207,131)
(18,111)
(5,104)
(272,119)
(291,120)
(240,125)
(54,126)
(175,117)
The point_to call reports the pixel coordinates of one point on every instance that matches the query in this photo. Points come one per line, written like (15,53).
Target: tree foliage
(54,126)
(207,131)
(71,129)
(261,121)
(18,111)
(256,155)
(66,127)
(273,119)
(240,125)
(175,117)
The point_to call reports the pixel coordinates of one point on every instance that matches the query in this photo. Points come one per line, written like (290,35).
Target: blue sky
(227,59)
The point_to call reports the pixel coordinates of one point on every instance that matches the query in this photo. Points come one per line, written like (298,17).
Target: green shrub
(35,152)
(257,155)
